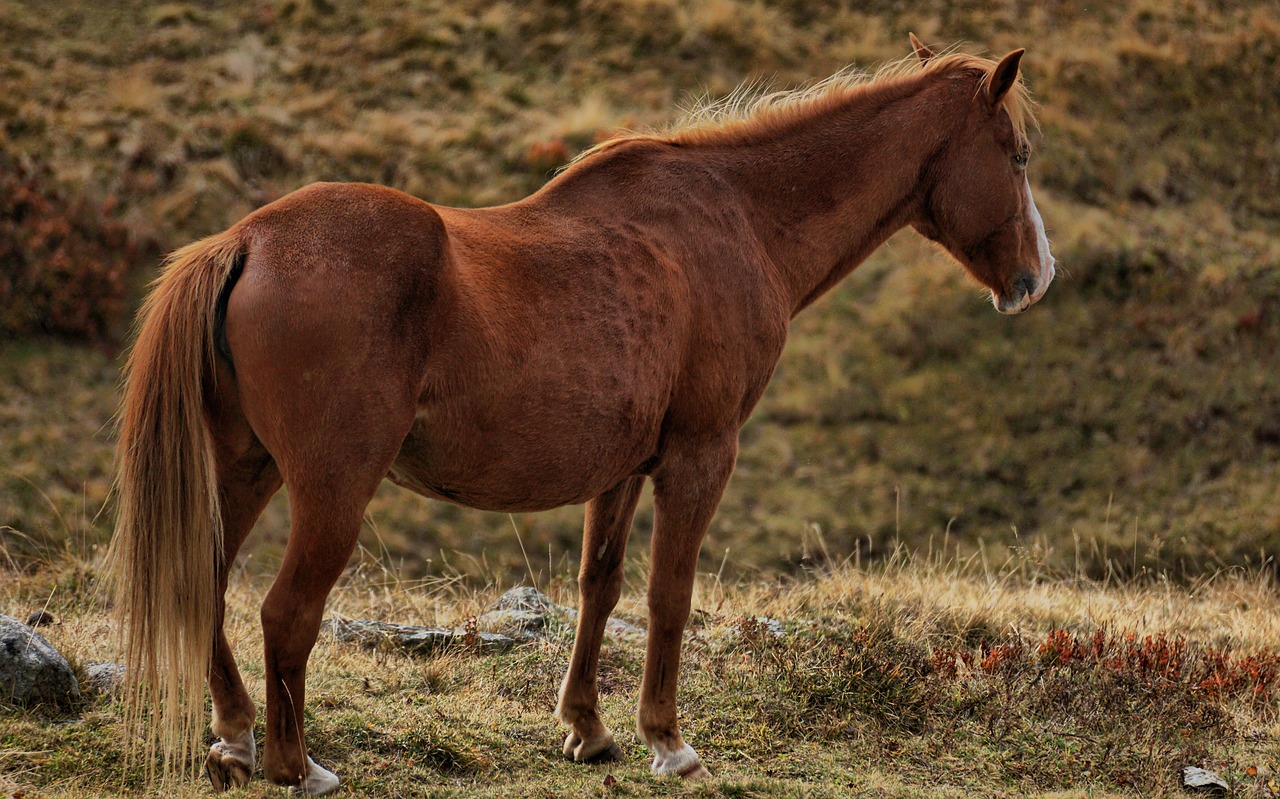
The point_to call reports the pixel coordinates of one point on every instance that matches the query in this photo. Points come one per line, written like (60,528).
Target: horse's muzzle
(1021,293)
(1026,289)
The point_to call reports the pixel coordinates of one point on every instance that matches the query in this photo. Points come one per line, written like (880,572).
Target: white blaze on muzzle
(1046,260)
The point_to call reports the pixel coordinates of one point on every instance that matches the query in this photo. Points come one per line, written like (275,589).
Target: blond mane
(755,107)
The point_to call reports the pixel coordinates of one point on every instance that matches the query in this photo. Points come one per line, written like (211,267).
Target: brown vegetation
(64,261)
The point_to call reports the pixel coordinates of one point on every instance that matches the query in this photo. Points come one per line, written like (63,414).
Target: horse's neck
(825,193)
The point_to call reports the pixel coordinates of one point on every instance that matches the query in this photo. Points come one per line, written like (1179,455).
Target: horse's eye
(1021,158)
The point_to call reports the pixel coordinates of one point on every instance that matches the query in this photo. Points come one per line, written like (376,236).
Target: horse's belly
(526,457)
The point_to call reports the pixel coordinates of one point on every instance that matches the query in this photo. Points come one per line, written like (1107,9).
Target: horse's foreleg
(604,543)
(687,489)
(245,485)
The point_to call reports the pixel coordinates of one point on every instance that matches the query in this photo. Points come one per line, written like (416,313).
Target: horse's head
(980,207)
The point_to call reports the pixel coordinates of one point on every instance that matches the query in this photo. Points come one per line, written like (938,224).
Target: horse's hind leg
(328,328)
(327,511)
(599,585)
(331,471)
(247,479)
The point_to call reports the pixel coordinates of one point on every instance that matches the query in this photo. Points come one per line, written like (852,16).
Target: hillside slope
(1129,421)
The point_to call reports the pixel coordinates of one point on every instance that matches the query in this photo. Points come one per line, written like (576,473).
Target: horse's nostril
(1025,285)
(1021,293)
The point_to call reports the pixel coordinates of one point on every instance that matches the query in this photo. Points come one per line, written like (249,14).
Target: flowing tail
(167,549)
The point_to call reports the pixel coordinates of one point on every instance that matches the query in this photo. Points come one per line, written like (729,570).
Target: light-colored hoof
(600,749)
(683,763)
(319,782)
(225,772)
(231,762)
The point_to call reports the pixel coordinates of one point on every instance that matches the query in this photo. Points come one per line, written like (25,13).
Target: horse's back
(357,226)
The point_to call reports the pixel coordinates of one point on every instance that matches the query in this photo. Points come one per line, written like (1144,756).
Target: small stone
(527,614)
(103,679)
(31,671)
(623,629)
(772,626)
(525,598)
(1197,779)
(40,618)
(759,627)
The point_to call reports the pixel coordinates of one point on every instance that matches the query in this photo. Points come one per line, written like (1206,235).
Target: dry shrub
(1151,663)
(1118,708)
(253,152)
(832,682)
(544,156)
(63,260)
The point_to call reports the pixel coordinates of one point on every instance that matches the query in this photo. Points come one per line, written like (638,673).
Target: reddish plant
(63,260)
(1150,660)
(1002,658)
(547,155)
(947,661)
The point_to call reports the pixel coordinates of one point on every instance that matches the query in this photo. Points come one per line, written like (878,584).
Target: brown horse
(620,324)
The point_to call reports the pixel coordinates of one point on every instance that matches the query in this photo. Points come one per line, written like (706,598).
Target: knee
(670,608)
(288,634)
(276,619)
(601,583)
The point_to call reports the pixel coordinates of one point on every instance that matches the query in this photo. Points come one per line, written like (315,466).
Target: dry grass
(914,678)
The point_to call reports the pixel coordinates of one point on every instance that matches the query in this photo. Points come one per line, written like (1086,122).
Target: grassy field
(925,494)
(915,679)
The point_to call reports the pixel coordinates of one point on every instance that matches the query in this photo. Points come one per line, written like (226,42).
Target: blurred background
(1129,423)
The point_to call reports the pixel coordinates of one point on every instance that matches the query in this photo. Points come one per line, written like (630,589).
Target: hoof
(682,762)
(600,749)
(695,773)
(225,772)
(319,781)
(230,762)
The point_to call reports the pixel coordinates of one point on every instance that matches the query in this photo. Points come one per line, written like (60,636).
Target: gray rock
(525,598)
(412,639)
(527,614)
(31,671)
(757,626)
(103,678)
(623,629)
(772,626)
(522,625)
(1197,779)
(520,615)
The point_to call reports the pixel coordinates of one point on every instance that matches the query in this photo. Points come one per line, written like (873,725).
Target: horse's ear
(923,53)
(1004,76)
